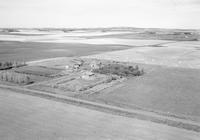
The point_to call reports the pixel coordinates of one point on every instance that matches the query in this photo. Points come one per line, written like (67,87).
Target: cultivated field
(29,51)
(99,65)
(27,117)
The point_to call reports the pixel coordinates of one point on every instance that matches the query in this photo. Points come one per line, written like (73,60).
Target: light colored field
(179,54)
(92,33)
(58,62)
(86,37)
(65,38)
(117,41)
(25,117)
(187,44)
(37,70)
(71,33)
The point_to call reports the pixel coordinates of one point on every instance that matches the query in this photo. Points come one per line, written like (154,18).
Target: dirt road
(27,117)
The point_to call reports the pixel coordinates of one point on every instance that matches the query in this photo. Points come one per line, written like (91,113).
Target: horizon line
(99,28)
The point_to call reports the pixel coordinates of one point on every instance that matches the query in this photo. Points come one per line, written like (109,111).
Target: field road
(24,117)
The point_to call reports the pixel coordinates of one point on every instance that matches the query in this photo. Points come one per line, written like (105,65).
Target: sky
(100,13)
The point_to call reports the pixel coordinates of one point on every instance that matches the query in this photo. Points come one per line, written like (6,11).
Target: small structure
(74,65)
(88,75)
